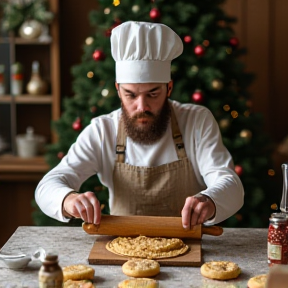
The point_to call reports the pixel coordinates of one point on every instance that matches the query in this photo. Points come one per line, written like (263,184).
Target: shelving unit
(26,110)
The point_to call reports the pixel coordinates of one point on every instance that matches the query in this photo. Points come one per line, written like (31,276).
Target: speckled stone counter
(246,247)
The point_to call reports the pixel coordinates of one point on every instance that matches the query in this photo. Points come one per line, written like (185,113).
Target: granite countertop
(245,246)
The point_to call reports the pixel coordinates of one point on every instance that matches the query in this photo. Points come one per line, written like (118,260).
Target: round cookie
(257,281)
(138,282)
(220,270)
(141,268)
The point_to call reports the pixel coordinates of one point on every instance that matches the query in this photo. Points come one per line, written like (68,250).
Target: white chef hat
(143,52)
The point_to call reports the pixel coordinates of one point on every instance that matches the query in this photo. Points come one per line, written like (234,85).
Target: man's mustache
(144,115)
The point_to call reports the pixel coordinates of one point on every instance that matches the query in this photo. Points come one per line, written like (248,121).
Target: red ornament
(239,170)
(77,126)
(93,109)
(234,42)
(109,31)
(60,155)
(199,50)
(155,14)
(198,96)
(187,39)
(98,55)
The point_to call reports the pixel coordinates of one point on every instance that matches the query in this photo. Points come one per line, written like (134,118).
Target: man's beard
(152,131)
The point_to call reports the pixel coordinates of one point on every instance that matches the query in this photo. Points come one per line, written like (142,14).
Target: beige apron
(153,191)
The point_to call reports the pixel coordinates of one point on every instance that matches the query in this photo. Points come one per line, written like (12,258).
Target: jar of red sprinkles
(278,239)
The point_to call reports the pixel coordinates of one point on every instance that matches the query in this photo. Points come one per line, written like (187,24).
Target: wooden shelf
(27,99)
(21,41)
(22,169)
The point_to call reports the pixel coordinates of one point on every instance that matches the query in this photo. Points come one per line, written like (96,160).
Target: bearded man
(156,156)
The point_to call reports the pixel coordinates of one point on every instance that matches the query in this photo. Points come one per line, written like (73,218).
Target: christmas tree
(208,73)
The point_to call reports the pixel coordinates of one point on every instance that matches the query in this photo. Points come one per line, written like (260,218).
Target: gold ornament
(274,206)
(89,40)
(271,172)
(116,2)
(217,84)
(226,107)
(246,134)
(90,74)
(234,114)
(30,29)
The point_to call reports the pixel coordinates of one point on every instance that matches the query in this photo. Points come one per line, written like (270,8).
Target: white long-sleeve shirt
(94,152)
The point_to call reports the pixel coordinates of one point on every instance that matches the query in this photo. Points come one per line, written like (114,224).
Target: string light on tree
(107,11)
(195,69)
(217,84)
(199,50)
(89,41)
(98,55)
(198,96)
(77,125)
(155,14)
(135,8)
(224,124)
(187,39)
(105,92)
(246,134)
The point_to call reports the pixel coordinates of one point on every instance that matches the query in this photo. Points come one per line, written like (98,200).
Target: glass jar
(50,273)
(278,239)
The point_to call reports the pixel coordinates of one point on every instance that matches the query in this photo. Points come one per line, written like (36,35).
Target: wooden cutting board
(153,226)
(99,255)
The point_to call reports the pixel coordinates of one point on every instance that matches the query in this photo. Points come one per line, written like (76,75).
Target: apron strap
(121,142)
(176,134)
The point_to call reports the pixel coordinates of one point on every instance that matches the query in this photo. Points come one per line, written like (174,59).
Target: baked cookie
(220,270)
(138,282)
(257,281)
(78,284)
(141,268)
(78,272)
(147,247)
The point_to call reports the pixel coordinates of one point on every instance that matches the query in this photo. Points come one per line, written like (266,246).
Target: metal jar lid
(278,218)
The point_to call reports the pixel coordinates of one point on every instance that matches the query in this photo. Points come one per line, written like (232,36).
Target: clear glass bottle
(284,200)
(50,273)
(36,85)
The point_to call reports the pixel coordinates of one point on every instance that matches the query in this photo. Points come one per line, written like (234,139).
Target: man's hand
(84,206)
(197,209)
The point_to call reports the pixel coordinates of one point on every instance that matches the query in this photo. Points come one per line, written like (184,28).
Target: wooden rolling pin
(152,226)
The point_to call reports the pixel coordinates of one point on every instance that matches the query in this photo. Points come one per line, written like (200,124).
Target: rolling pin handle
(212,230)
